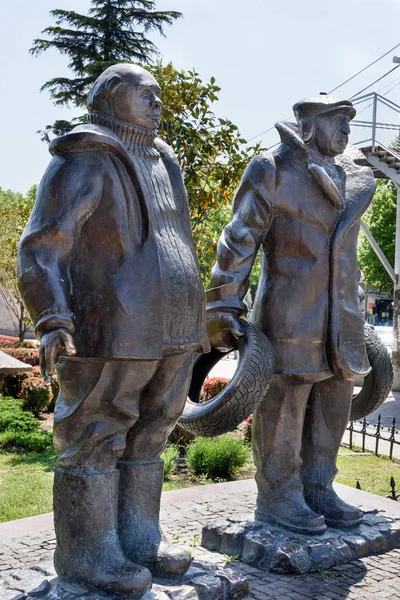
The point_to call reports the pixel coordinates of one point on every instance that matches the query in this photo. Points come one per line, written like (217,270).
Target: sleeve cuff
(53,318)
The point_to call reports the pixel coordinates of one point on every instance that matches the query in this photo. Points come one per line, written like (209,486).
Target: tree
(14,213)
(381,220)
(210,150)
(113,31)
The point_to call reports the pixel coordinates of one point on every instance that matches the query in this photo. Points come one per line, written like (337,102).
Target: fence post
(391,438)
(378,434)
(374,121)
(351,429)
(364,431)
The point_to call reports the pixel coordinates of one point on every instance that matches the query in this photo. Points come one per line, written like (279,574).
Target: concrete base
(203,581)
(274,548)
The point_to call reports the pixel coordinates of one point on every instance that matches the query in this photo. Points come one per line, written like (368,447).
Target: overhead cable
(376,81)
(364,69)
(342,84)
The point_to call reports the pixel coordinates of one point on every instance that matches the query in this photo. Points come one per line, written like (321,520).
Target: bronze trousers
(297,430)
(121,409)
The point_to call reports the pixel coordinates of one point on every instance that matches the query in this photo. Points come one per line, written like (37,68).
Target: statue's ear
(100,96)
(307,128)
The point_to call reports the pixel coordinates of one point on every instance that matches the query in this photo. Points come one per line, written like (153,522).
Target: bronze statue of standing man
(301,205)
(109,274)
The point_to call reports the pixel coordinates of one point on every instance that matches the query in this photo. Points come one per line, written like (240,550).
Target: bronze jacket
(88,258)
(304,213)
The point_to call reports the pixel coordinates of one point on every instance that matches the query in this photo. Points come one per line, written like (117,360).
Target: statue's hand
(223,327)
(51,345)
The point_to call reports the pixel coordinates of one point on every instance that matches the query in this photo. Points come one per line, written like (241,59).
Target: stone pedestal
(274,548)
(203,581)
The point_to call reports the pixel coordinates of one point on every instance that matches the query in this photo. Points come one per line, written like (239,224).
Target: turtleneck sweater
(177,262)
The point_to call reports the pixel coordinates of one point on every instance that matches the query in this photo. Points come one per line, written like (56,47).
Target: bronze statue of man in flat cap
(301,205)
(108,272)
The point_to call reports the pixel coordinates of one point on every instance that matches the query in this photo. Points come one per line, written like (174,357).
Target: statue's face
(332,133)
(138,101)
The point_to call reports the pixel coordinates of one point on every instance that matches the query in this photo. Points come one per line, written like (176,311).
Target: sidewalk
(183,514)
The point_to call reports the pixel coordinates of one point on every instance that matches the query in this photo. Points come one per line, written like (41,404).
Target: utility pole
(396,301)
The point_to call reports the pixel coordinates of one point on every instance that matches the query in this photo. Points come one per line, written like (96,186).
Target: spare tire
(377,384)
(240,397)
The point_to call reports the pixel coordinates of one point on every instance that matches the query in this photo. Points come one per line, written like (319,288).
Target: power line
(376,81)
(364,69)
(342,84)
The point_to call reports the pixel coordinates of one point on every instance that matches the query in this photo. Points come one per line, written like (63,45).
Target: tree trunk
(21,322)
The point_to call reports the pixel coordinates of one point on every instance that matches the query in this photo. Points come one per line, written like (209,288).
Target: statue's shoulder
(261,173)
(165,151)
(86,138)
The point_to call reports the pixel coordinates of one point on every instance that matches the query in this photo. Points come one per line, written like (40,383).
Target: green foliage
(14,213)
(36,441)
(210,151)
(35,394)
(19,429)
(381,220)
(169,457)
(13,384)
(19,421)
(216,458)
(113,31)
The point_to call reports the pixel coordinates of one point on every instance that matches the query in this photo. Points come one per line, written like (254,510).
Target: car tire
(240,397)
(377,384)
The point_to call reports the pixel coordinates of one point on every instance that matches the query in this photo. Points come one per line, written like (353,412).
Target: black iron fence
(378,434)
(393,495)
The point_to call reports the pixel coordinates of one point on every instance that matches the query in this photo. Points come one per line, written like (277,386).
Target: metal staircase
(376,132)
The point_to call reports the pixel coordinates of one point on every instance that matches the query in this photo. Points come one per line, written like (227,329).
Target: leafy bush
(169,457)
(29,356)
(216,458)
(35,394)
(17,421)
(35,441)
(13,384)
(212,387)
(12,404)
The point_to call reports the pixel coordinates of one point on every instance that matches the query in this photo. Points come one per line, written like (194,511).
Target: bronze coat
(304,214)
(88,249)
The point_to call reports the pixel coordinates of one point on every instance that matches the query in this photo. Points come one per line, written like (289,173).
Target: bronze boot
(88,549)
(277,434)
(139,511)
(327,416)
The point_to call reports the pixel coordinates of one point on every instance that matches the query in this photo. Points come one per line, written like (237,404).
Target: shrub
(35,394)
(10,404)
(29,356)
(36,441)
(216,458)
(13,384)
(17,421)
(169,457)
(212,387)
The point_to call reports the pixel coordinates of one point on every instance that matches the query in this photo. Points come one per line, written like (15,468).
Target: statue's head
(129,93)
(324,123)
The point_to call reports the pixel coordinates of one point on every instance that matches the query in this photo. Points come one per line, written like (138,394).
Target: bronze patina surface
(109,274)
(301,206)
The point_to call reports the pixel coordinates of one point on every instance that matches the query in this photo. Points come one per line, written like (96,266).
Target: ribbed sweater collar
(137,140)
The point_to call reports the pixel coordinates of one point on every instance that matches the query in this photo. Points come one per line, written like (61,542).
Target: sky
(264,54)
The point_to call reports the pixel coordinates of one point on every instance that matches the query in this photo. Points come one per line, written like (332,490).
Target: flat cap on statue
(322,104)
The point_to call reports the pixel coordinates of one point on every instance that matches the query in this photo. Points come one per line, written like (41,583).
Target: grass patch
(373,472)
(26,484)
(26,479)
